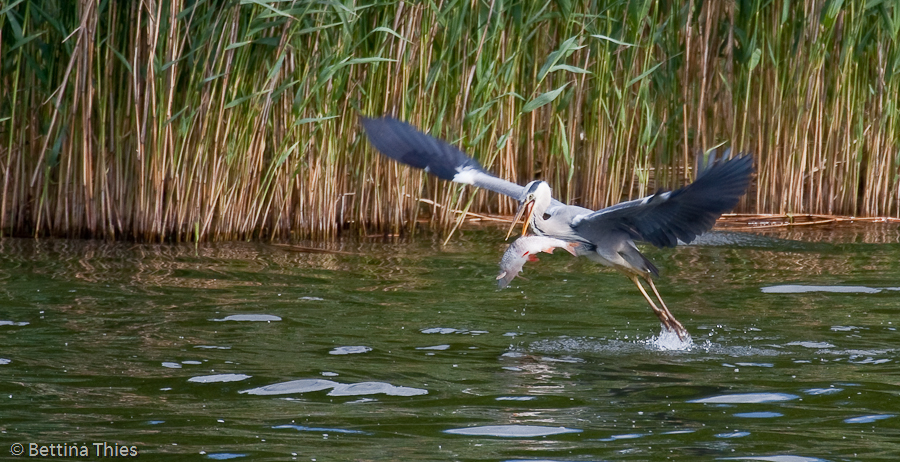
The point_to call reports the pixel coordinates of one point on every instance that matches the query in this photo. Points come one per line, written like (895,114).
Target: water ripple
(758,415)
(337,389)
(250,317)
(350,350)
(822,391)
(778,458)
(435,347)
(734,434)
(627,436)
(817,345)
(374,388)
(292,387)
(303,428)
(219,378)
(802,289)
(224,456)
(451,330)
(512,431)
(746,398)
(868,418)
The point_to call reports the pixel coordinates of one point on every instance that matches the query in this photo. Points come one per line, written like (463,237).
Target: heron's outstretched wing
(402,142)
(665,217)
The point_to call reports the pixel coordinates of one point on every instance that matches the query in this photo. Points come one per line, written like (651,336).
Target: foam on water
(669,342)
(665,342)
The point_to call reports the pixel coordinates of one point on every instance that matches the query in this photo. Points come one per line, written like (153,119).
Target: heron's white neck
(542,198)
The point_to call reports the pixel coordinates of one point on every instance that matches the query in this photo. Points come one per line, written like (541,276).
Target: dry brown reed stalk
(770,220)
(198,120)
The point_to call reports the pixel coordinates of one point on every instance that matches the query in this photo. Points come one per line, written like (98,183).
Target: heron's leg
(679,328)
(664,318)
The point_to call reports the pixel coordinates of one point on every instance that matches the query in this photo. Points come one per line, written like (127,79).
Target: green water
(419,357)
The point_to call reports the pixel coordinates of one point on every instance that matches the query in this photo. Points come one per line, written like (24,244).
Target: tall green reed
(238,120)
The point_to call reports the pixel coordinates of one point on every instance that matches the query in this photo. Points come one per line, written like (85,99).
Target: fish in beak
(527,209)
(525,249)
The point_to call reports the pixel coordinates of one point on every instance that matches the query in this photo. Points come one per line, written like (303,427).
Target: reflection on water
(405,351)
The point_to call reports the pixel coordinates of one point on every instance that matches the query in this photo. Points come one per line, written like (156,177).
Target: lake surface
(407,351)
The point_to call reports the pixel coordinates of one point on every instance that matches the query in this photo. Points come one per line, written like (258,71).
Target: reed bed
(193,120)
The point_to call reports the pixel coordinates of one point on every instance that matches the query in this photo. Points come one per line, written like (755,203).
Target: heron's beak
(526,209)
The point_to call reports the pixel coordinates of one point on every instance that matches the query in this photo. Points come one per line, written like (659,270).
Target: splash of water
(668,340)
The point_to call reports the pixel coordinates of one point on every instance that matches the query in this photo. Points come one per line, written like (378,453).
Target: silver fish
(524,249)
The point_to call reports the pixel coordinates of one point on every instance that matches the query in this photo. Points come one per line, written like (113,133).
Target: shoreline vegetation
(194,120)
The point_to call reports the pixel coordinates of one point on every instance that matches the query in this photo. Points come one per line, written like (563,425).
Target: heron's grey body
(610,248)
(606,236)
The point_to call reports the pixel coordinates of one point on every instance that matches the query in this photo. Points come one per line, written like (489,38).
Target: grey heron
(606,236)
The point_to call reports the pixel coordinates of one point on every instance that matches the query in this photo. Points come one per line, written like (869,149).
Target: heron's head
(533,203)
(539,193)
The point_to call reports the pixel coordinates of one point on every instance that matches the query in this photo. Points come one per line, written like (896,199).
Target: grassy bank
(197,120)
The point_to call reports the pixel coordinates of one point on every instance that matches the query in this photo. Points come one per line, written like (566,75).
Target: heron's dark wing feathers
(404,143)
(666,217)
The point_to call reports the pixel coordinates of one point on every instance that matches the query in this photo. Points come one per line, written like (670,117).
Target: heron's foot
(678,329)
(672,339)
(671,324)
